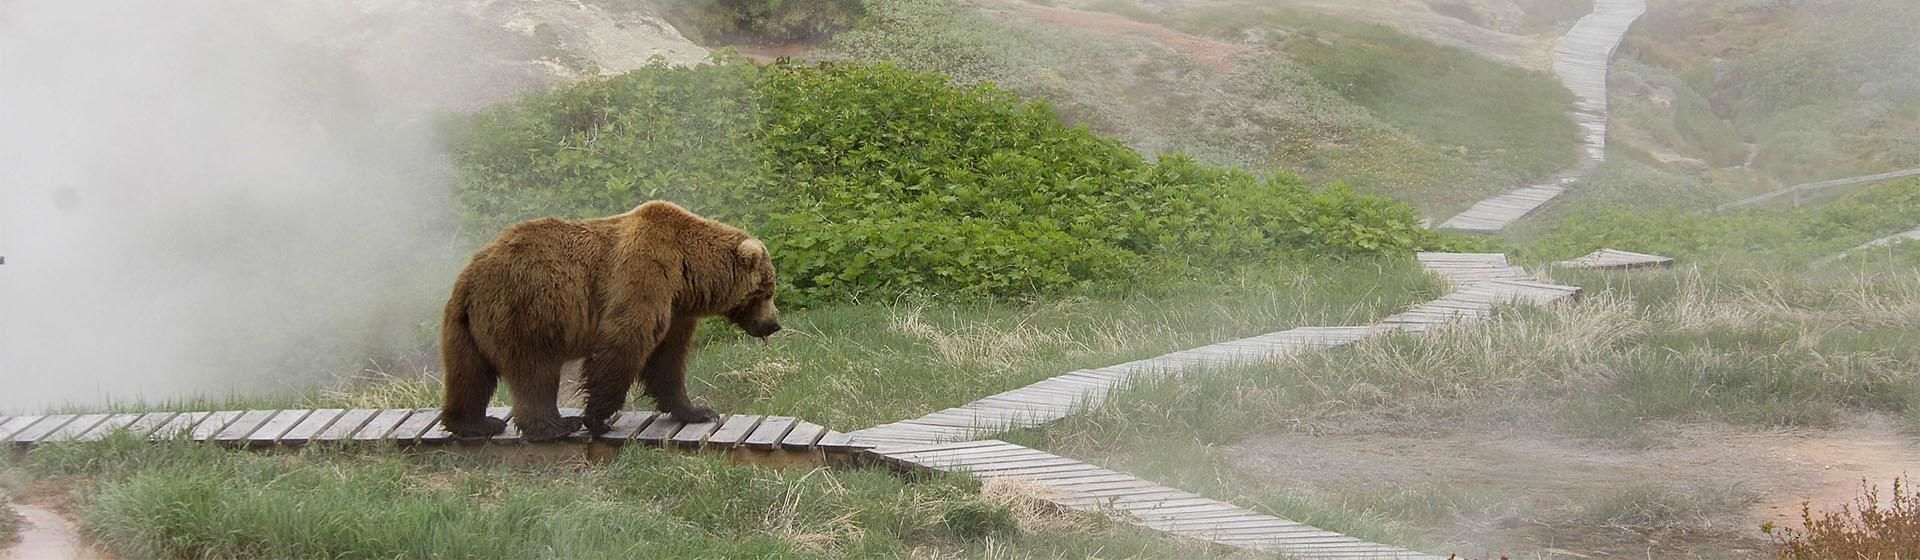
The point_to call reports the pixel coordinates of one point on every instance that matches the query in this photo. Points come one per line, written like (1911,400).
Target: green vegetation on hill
(870,180)
(1499,117)
(1824,90)
(1432,137)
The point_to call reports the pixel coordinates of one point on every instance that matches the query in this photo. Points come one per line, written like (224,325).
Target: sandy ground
(1700,492)
(47,530)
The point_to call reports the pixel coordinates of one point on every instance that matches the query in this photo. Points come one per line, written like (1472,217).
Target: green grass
(186,500)
(1825,92)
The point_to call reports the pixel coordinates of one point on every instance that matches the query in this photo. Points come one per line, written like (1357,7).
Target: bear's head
(753,311)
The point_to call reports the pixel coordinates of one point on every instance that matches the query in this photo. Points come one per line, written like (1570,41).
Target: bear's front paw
(695,415)
(485,427)
(549,430)
(597,426)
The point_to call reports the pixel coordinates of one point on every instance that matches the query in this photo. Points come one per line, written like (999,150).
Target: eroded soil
(1700,492)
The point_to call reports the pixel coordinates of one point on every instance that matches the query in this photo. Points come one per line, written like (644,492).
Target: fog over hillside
(204,197)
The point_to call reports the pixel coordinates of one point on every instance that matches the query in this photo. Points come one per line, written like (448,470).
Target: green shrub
(872,180)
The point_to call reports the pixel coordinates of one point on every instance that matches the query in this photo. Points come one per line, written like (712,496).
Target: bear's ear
(751,250)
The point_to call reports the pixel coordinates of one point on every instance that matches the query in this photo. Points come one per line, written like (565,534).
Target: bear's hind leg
(536,392)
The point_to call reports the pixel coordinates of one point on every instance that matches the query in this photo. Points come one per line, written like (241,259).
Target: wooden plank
(694,435)
(78,426)
(771,431)
(945,447)
(15,424)
(147,424)
(416,424)
(939,453)
(215,423)
(802,437)
(837,442)
(1034,469)
(984,454)
(246,423)
(382,424)
(659,431)
(349,422)
(734,431)
(33,432)
(270,432)
(623,427)
(303,432)
(108,426)
(181,426)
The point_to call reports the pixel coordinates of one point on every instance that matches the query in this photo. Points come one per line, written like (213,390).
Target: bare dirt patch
(47,530)
(1702,492)
(1212,53)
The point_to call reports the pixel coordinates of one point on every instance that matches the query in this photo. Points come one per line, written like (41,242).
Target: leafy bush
(1868,529)
(871,179)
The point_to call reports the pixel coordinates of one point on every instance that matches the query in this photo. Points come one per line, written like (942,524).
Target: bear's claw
(695,415)
(485,427)
(550,430)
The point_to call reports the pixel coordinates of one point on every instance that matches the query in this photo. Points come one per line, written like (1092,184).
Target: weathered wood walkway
(1797,190)
(1580,60)
(1888,241)
(1617,259)
(950,440)
(1085,487)
(750,438)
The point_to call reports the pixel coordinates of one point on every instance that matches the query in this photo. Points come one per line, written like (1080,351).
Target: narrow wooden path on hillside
(1580,59)
(1797,190)
(1609,259)
(950,440)
(1085,487)
(752,438)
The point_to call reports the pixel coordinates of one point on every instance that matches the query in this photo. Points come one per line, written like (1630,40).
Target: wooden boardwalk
(1057,397)
(1797,190)
(1888,241)
(1617,259)
(1580,60)
(751,438)
(950,440)
(1483,281)
(1085,487)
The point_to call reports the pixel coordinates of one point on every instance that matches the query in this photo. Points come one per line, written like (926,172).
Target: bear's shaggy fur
(625,292)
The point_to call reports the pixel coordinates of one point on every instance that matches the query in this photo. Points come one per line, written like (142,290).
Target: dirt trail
(47,535)
(1839,460)
(1702,492)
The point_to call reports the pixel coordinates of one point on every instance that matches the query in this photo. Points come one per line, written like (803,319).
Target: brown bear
(625,292)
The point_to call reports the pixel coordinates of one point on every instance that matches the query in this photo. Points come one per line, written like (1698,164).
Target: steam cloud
(204,198)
